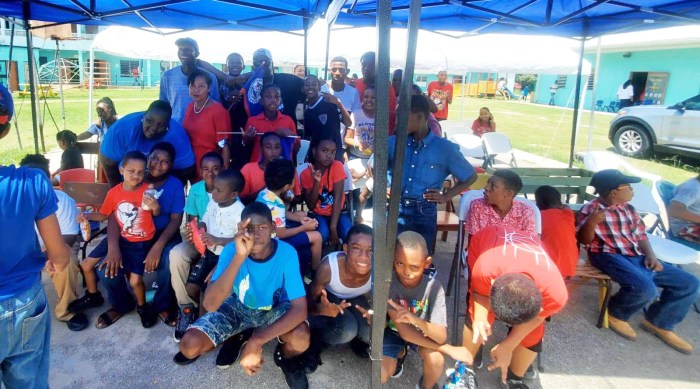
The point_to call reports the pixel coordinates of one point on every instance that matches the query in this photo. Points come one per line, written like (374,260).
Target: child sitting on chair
(133,210)
(558,230)
(71,157)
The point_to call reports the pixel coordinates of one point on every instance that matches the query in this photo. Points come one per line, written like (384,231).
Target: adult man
(173,82)
(367,61)
(396,78)
(345,92)
(440,92)
(553,91)
(141,131)
(616,241)
(291,86)
(684,211)
(26,200)
(427,162)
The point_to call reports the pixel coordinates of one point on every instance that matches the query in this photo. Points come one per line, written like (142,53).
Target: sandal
(169,318)
(108,318)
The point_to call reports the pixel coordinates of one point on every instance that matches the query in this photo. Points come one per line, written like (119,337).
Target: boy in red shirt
(440,92)
(512,279)
(269,120)
(133,209)
(558,230)
(322,185)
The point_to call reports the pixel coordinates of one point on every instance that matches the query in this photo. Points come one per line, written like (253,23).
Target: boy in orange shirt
(558,230)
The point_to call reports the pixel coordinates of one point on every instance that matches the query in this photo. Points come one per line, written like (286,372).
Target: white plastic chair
(303,151)
(471,147)
(498,143)
(596,161)
(455,127)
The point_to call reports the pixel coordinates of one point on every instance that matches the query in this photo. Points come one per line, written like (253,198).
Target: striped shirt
(619,233)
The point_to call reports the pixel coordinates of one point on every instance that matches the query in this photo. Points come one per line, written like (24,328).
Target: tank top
(337,288)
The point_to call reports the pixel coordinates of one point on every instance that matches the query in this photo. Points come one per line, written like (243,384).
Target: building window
(457,79)
(591,80)
(126,66)
(561,80)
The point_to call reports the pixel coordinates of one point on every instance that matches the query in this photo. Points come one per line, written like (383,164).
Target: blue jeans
(638,287)
(165,296)
(25,339)
(419,216)
(344,225)
(343,328)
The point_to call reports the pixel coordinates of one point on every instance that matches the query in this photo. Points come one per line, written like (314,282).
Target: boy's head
(235,64)
(613,186)
(502,187)
(410,258)
(419,113)
(227,185)
(324,151)
(36,161)
(260,227)
(133,168)
(271,98)
(271,145)
(547,197)
(359,249)
(442,76)
(339,68)
(367,62)
(279,175)
(210,166)
(515,299)
(160,159)
(311,87)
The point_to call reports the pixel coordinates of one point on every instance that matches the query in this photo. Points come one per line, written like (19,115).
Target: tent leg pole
(306,44)
(32,81)
(328,50)
(594,95)
(9,72)
(91,79)
(577,98)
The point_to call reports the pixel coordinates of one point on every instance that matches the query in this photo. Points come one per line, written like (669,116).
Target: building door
(639,82)
(14,76)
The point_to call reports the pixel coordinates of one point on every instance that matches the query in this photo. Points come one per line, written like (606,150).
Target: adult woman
(206,121)
(140,131)
(106,114)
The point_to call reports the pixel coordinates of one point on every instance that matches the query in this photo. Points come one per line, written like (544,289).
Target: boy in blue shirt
(256,284)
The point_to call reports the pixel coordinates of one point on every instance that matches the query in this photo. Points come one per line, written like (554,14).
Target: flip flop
(105,320)
(170,318)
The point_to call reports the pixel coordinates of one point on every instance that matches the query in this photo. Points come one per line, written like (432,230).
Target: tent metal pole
(328,50)
(91,83)
(306,44)
(577,99)
(60,81)
(594,95)
(32,80)
(381,269)
(9,72)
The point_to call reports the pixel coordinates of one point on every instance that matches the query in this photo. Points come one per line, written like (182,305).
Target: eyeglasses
(261,228)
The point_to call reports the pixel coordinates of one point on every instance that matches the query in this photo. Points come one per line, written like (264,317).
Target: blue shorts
(232,317)
(393,344)
(133,254)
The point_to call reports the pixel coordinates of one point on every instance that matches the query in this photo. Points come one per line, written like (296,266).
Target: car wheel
(632,140)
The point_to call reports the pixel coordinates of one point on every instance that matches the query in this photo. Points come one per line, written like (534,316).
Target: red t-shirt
(205,129)
(559,239)
(255,180)
(263,125)
(136,225)
(498,250)
(439,94)
(335,173)
(479,129)
(361,86)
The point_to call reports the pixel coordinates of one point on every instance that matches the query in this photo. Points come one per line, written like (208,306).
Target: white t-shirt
(222,222)
(688,194)
(348,96)
(67,215)
(625,93)
(364,132)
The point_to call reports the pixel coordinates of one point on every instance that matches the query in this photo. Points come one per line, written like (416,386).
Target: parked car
(639,130)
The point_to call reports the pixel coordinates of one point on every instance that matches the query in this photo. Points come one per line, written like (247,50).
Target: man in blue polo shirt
(141,131)
(427,162)
(26,198)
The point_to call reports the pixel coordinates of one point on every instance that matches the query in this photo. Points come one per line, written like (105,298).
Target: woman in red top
(206,121)
(484,123)
(558,230)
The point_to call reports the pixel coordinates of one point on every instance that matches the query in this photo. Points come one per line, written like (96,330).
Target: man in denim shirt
(428,161)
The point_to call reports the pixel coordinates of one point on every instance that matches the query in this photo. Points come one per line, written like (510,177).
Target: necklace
(203,105)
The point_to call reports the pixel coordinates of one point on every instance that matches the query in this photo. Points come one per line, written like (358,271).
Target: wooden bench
(569,182)
(587,274)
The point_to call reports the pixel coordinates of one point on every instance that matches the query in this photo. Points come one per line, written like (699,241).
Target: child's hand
(403,315)
(334,239)
(284,132)
(330,309)
(250,132)
(243,240)
(251,358)
(188,231)
(481,330)
(597,217)
(209,239)
(81,218)
(366,313)
(309,224)
(151,202)
(316,174)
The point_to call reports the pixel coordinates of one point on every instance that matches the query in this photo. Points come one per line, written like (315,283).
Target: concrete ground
(576,353)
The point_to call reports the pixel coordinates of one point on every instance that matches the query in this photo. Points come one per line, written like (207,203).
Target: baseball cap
(187,42)
(262,51)
(609,179)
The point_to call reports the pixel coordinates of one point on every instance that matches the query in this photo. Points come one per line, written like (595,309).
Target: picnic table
(45,91)
(571,182)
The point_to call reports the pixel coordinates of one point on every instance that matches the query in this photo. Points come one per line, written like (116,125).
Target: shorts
(133,254)
(232,317)
(393,344)
(200,271)
(532,341)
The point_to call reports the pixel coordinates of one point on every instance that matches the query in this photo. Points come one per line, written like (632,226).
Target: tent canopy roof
(566,18)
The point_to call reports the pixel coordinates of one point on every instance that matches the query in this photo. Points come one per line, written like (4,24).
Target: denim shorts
(133,254)
(394,344)
(232,317)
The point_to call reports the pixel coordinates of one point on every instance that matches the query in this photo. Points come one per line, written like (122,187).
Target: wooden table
(570,182)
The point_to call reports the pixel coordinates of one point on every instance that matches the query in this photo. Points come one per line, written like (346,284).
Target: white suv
(639,130)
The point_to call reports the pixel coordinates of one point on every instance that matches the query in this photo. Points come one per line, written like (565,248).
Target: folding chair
(497,143)
(598,105)
(596,161)
(76,175)
(663,192)
(93,195)
(455,127)
(471,147)
(303,151)
(614,106)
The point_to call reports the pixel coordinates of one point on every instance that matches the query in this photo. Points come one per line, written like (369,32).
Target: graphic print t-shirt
(427,300)
(135,224)
(335,173)
(439,93)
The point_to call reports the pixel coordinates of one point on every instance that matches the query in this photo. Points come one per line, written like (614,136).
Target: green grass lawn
(534,128)
(546,131)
